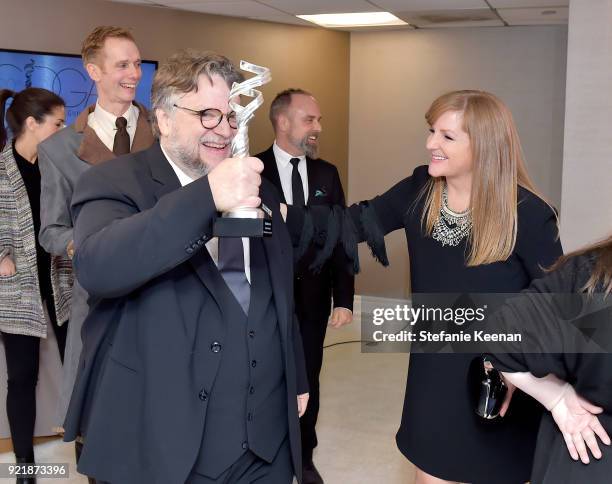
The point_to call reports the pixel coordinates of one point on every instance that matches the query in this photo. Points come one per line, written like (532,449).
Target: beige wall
(395,76)
(587,170)
(312,58)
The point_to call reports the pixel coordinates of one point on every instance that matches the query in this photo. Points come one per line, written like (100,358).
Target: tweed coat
(21,309)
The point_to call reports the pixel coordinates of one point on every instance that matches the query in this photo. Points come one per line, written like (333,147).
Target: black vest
(247,405)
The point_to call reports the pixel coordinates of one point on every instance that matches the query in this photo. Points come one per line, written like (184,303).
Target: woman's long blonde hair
(498,168)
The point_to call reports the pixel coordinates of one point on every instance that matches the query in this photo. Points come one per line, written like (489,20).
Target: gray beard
(311,151)
(188,160)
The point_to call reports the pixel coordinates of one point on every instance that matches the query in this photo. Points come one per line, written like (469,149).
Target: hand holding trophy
(243,221)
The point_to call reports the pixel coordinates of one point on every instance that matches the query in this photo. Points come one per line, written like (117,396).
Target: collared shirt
(213,244)
(103,123)
(285,169)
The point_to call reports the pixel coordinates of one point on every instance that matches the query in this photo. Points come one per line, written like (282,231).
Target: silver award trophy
(243,221)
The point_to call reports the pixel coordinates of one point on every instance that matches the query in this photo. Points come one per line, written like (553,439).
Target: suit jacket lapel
(166,181)
(94,151)
(271,171)
(161,171)
(22,203)
(143,138)
(313,182)
(207,271)
(277,260)
(91,150)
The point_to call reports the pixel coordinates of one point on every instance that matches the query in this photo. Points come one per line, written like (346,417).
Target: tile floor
(361,401)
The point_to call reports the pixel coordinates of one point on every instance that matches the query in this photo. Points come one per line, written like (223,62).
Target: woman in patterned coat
(32,283)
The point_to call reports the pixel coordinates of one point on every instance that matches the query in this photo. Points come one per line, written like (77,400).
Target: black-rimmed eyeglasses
(211,118)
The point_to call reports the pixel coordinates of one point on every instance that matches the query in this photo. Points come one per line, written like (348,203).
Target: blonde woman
(474,223)
(579,414)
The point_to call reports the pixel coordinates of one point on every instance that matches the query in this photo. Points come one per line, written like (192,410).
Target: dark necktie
(121,145)
(231,267)
(297,187)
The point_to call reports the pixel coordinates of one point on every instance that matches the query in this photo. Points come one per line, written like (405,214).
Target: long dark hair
(33,101)
(601,276)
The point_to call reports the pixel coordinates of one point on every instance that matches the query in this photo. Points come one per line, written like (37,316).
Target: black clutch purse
(491,389)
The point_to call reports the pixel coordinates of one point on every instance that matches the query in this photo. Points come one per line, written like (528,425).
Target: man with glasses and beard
(193,367)
(293,166)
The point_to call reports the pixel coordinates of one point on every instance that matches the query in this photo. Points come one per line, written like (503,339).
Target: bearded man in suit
(192,365)
(293,166)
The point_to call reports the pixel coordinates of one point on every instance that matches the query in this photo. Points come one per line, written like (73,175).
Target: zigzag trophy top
(244,114)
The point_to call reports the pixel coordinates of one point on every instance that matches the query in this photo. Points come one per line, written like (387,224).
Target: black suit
(164,333)
(313,292)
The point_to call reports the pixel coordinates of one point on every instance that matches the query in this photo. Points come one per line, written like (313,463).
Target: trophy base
(243,223)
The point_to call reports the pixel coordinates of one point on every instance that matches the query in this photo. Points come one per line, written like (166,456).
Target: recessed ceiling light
(361,19)
(548,12)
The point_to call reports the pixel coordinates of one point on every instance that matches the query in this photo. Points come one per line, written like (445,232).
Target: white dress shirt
(103,123)
(285,169)
(213,244)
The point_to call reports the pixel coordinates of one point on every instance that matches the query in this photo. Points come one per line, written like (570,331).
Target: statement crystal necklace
(451,227)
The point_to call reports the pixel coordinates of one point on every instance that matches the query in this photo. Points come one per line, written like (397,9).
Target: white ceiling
(418,13)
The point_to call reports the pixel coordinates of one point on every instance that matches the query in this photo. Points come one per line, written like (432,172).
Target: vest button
(215,347)
(254,363)
(251,334)
(252,390)
(245,445)
(250,417)
(203,395)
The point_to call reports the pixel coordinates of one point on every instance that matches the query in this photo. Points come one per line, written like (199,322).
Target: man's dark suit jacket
(140,254)
(314,296)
